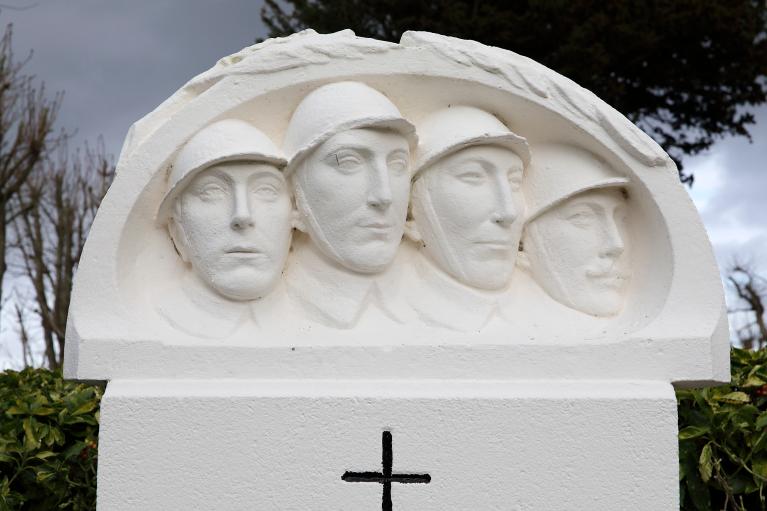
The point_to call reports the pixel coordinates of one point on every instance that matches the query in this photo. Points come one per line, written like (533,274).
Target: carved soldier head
(467,204)
(575,242)
(228,209)
(349,150)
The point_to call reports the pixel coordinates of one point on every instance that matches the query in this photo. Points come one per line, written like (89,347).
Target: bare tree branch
(27,117)
(60,203)
(751,291)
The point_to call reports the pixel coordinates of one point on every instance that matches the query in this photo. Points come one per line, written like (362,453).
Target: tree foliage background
(685,71)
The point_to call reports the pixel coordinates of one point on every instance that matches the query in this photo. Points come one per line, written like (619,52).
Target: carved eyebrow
(486,165)
(349,147)
(220,174)
(265,174)
(270,173)
(399,152)
(573,207)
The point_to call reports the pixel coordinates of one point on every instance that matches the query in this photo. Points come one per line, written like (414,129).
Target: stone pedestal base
(285,445)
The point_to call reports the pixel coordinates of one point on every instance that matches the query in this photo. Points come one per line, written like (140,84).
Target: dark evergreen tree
(685,71)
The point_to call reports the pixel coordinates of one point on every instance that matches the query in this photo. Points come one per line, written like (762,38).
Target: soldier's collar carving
(192,307)
(440,300)
(335,296)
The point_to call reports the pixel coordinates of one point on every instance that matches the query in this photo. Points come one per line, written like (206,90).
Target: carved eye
(581,217)
(515,180)
(211,192)
(266,192)
(398,165)
(347,161)
(472,177)
(621,216)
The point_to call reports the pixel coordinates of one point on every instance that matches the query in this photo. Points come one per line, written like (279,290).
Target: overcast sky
(118,60)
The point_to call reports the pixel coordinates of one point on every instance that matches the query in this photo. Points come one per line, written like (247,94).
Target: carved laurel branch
(529,77)
(305,48)
(308,48)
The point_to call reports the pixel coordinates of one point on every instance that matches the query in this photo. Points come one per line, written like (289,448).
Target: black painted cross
(386,477)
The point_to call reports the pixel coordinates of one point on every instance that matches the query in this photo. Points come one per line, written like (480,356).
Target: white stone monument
(340,273)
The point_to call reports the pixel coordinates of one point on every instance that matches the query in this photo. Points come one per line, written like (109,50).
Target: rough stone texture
(669,324)
(283,445)
(262,320)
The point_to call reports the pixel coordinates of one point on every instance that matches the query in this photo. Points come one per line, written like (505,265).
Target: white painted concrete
(263,320)
(615,265)
(284,445)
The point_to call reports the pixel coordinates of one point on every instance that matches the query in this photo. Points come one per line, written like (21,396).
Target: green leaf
(85,408)
(760,443)
(44,454)
(706,463)
(734,398)
(700,494)
(740,483)
(693,432)
(15,410)
(44,473)
(43,411)
(753,381)
(761,421)
(30,439)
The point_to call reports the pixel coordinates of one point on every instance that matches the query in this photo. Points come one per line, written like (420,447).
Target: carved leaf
(528,76)
(306,48)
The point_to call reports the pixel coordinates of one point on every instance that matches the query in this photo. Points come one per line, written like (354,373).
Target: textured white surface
(283,445)
(377,307)
(355,331)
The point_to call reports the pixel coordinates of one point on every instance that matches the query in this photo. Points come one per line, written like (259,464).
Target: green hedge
(48,442)
(723,440)
(49,432)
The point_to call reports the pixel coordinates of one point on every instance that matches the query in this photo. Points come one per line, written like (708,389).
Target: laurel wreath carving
(530,77)
(308,48)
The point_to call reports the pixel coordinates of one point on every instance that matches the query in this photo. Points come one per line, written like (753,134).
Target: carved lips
(247,254)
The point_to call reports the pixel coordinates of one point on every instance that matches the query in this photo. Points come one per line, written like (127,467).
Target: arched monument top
(152,300)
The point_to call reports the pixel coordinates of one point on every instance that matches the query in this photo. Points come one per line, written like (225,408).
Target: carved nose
(241,222)
(614,245)
(241,217)
(380,201)
(379,192)
(506,212)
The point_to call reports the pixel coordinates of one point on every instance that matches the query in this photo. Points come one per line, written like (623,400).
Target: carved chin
(487,273)
(600,302)
(243,283)
(371,257)
(490,281)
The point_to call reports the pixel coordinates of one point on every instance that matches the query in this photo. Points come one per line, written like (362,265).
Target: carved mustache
(607,273)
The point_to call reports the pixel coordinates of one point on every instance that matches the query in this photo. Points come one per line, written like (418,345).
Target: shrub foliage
(723,440)
(49,435)
(48,441)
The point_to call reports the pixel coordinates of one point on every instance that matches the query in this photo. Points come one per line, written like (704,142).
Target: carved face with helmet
(228,209)
(576,236)
(349,164)
(467,205)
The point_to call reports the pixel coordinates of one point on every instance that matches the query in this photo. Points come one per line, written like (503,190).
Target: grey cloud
(736,212)
(116,61)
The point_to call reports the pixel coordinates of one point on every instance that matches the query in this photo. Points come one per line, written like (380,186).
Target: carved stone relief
(228,212)
(350,171)
(576,242)
(429,197)
(467,204)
